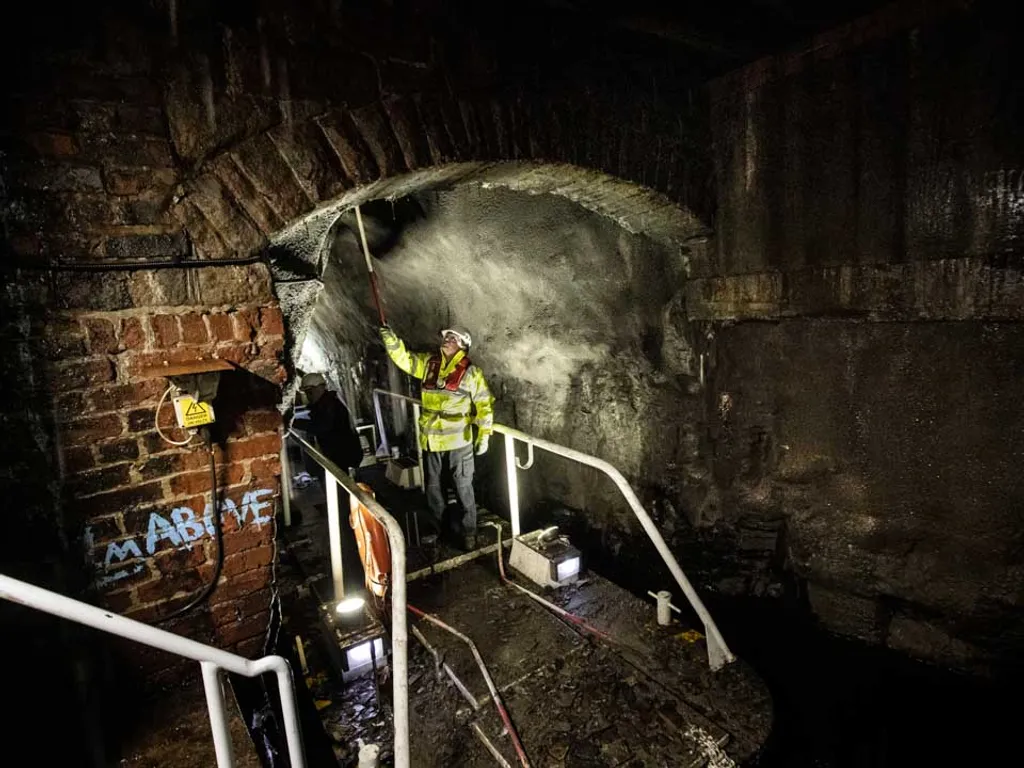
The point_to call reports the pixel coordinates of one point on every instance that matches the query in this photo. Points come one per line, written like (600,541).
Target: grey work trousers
(460,462)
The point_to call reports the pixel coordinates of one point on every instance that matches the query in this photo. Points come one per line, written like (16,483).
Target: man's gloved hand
(481,445)
(387,335)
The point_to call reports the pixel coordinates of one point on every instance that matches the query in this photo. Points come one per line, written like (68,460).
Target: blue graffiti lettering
(188,527)
(121,551)
(159,529)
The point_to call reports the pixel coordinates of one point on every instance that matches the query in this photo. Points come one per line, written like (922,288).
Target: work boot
(468,541)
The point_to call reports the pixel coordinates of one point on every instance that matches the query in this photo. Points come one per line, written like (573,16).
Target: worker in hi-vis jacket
(455,398)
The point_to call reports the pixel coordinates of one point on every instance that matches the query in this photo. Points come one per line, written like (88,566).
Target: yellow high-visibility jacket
(446,420)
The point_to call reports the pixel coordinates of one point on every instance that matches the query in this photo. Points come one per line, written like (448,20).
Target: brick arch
(247,196)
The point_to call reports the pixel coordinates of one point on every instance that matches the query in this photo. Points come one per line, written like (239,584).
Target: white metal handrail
(212,661)
(335,476)
(718,651)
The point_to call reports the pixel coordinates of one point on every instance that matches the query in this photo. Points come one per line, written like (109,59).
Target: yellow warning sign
(192,412)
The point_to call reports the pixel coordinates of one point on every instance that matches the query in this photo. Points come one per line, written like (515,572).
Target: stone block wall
(863,302)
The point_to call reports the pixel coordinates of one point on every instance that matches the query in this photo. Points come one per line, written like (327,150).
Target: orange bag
(372,540)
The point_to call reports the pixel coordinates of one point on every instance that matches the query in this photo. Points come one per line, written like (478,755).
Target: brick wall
(140,504)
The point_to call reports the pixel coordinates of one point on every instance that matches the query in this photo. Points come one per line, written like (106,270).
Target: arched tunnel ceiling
(296,252)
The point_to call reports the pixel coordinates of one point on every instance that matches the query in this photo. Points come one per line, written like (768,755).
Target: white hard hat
(311,380)
(465,340)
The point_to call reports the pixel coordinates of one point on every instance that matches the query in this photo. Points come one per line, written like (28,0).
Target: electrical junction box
(546,558)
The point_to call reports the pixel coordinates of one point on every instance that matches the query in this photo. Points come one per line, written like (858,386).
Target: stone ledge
(948,289)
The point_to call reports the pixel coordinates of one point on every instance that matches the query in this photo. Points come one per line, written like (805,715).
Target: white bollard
(664,607)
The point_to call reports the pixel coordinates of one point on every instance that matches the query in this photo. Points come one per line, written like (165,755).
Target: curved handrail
(30,595)
(718,651)
(399,622)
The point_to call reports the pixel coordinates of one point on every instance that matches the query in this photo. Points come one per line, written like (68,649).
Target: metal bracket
(529,457)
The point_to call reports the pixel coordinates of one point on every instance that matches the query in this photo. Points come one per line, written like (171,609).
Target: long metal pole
(399,620)
(286,484)
(334,534)
(217,707)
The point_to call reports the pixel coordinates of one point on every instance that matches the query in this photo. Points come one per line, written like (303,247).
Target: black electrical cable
(219,561)
(122,266)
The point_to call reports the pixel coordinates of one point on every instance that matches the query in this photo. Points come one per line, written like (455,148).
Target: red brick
(272,349)
(254,626)
(90,430)
(127,395)
(251,648)
(104,529)
(238,610)
(243,584)
(248,538)
(174,561)
(102,337)
(53,144)
(265,469)
(86,374)
(122,450)
(133,181)
(221,327)
(70,406)
(249,560)
(133,335)
(165,330)
(199,482)
(247,324)
(115,501)
(172,583)
(193,329)
(236,353)
(136,521)
(119,602)
(251,447)
(100,480)
(271,370)
(257,422)
(78,458)
(272,321)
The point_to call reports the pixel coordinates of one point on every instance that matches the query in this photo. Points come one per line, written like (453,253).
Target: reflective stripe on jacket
(446,419)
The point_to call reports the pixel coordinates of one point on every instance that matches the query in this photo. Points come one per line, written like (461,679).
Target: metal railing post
(209,657)
(419,447)
(286,484)
(513,483)
(718,652)
(334,534)
(399,620)
(217,707)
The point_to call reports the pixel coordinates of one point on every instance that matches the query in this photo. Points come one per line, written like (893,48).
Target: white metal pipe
(44,600)
(718,652)
(217,707)
(419,448)
(334,534)
(399,620)
(286,484)
(513,483)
